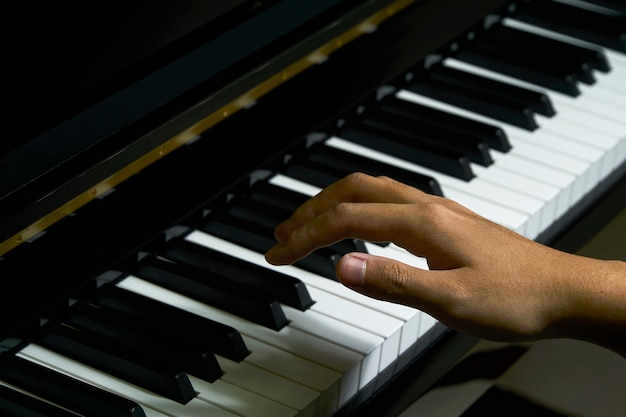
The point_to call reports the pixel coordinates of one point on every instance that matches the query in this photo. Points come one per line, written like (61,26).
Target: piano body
(139,192)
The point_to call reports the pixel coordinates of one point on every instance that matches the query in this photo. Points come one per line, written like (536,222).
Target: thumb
(384,278)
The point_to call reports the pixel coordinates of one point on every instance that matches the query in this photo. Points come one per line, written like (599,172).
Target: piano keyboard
(538,135)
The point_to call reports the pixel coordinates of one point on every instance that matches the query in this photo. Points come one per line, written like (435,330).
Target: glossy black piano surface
(163,71)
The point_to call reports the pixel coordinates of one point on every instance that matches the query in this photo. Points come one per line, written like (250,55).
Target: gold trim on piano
(317,56)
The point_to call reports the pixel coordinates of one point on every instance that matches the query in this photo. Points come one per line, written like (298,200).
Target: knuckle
(441,211)
(397,278)
(356,179)
(435,212)
(340,215)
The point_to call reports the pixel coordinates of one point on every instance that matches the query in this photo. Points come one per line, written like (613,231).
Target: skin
(483,279)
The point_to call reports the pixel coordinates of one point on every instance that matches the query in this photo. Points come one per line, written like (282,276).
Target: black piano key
(475,84)
(63,390)
(499,108)
(269,215)
(450,162)
(130,333)
(265,214)
(115,359)
(313,173)
(494,135)
(476,150)
(615,5)
(273,194)
(17,404)
(594,57)
(182,328)
(289,200)
(251,236)
(506,61)
(215,290)
(592,26)
(348,246)
(276,285)
(535,53)
(339,163)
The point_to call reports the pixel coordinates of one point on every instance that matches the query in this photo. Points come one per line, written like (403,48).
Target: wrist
(594,303)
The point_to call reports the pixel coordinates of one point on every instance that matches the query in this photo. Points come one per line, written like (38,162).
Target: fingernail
(353,271)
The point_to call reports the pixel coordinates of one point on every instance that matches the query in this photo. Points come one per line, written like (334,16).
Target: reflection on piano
(137,204)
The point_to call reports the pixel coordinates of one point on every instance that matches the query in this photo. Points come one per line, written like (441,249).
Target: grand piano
(154,147)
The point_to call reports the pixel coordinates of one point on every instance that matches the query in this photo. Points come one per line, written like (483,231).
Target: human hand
(483,279)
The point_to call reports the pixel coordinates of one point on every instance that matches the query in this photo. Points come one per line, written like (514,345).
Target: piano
(155,146)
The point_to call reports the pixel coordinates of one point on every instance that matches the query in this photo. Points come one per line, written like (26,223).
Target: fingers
(374,222)
(376,209)
(355,188)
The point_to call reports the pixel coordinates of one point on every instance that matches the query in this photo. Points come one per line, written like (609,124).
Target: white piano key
(269,385)
(428,324)
(596,158)
(590,113)
(577,167)
(358,315)
(601,146)
(302,344)
(367,344)
(152,413)
(194,408)
(541,172)
(611,94)
(512,199)
(239,401)
(398,253)
(505,194)
(294,184)
(595,101)
(310,374)
(548,194)
(610,88)
(617,59)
